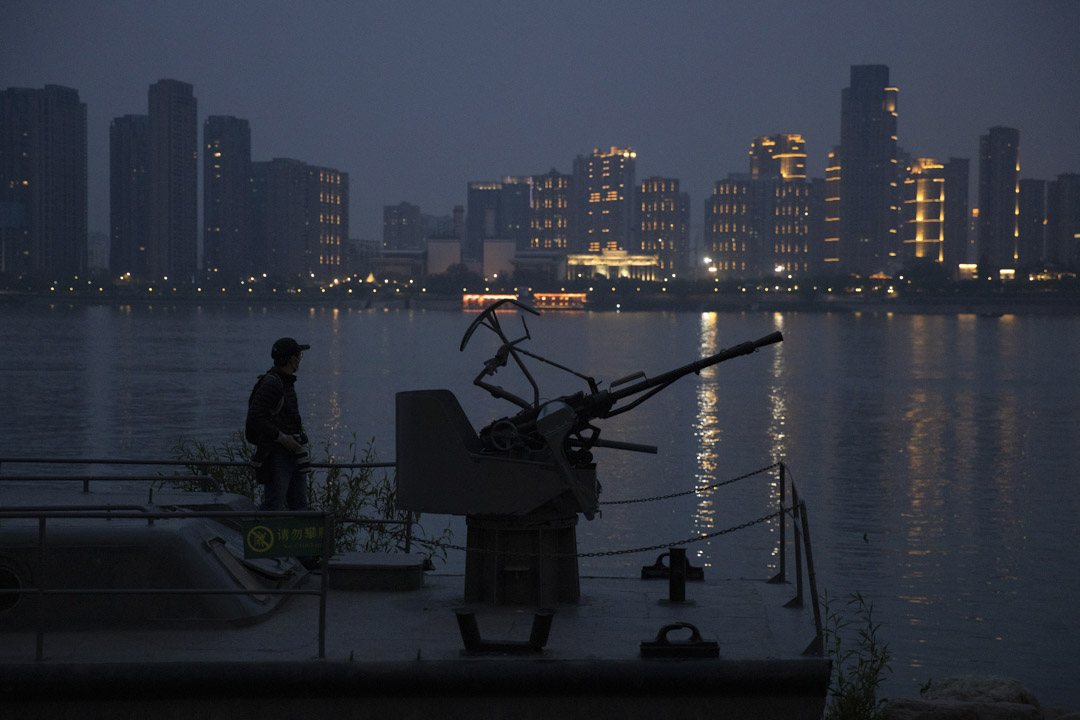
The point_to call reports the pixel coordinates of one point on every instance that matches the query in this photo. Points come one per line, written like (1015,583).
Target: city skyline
(414,103)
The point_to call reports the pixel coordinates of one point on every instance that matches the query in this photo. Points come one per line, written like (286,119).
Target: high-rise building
(174,148)
(1031,224)
(129,196)
(781,155)
(482,221)
(608,188)
(300,219)
(957,219)
(830,222)
(43,197)
(1063,221)
(403,227)
(227,245)
(923,213)
(499,210)
(999,200)
(758,226)
(550,219)
(869,174)
(664,228)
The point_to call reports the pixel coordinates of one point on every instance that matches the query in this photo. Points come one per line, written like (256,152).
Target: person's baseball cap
(287,347)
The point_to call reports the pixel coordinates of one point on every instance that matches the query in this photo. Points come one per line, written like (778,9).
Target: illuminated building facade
(608,187)
(550,219)
(403,227)
(923,212)
(756,227)
(227,247)
(664,228)
(830,246)
(172,250)
(129,195)
(999,201)
(301,219)
(43,194)
(328,223)
(869,175)
(781,155)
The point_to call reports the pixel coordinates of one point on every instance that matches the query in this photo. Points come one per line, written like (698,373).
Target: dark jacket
(264,420)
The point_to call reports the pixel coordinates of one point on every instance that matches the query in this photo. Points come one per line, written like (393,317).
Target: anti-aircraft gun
(522,480)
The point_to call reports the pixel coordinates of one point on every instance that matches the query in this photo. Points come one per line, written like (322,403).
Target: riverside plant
(860,667)
(353,496)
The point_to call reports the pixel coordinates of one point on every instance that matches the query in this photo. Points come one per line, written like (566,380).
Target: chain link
(606,553)
(695,490)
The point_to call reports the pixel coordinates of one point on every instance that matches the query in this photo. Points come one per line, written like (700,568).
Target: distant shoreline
(985,306)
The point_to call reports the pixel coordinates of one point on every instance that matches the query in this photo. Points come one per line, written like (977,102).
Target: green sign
(282,537)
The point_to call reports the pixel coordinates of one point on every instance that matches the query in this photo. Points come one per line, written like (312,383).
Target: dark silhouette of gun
(538,424)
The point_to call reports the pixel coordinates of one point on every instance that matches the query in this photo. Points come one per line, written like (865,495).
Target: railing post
(327,548)
(781,577)
(41,590)
(817,646)
(796,520)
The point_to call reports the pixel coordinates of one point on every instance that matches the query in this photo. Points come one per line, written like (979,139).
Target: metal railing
(796,510)
(41,588)
(42,514)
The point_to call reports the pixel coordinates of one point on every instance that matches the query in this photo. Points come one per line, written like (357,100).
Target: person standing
(275,427)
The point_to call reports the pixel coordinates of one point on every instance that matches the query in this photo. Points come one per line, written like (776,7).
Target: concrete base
(359,571)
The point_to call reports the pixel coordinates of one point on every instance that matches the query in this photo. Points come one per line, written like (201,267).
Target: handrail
(796,510)
(40,576)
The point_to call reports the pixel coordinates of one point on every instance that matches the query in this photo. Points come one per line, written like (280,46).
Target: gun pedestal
(522,560)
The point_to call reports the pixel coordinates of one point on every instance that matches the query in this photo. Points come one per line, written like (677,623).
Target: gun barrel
(697,366)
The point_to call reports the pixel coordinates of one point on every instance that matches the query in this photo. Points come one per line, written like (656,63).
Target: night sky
(415,99)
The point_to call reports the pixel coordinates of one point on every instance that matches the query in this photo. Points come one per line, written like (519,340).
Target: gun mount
(522,480)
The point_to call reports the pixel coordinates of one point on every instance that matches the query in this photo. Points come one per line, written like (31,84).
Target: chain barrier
(695,490)
(606,553)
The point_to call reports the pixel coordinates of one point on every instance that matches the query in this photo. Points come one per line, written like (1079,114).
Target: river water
(937,453)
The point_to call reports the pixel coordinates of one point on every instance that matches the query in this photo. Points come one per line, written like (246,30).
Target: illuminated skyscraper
(173,171)
(227,246)
(301,219)
(869,176)
(923,214)
(781,155)
(664,228)
(550,220)
(608,183)
(43,198)
(999,200)
(756,227)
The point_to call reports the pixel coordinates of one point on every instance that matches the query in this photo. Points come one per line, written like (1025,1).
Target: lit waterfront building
(550,219)
(43,193)
(608,184)
(664,229)
(868,174)
(301,219)
(923,212)
(781,155)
